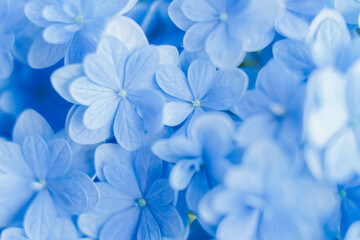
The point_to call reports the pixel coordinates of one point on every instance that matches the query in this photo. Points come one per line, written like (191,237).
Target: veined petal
(182,173)
(12,160)
(201,76)
(199,10)
(57,34)
(60,158)
(148,226)
(196,35)
(55,13)
(176,112)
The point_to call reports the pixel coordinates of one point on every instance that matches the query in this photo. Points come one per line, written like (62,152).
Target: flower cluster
(180,119)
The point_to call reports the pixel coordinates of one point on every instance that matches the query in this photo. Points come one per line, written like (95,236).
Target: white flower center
(140,202)
(196,103)
(122,93)
(38,185)
(79,19)
(223,17)
(277,109)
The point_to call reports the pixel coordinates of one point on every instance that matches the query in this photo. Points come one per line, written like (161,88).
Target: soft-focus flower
(136,200)
(226,29)
(201,158)
(204,89)
(36,181)
(114,88)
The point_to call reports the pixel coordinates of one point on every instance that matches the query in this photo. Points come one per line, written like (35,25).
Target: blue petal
(107,153)
(292,25)
(40,217)
(169,221)
(15,193)
(148,168)
(109,8)
(199,11)
(60,158)
(122,178)
(219,97)
(149,104)
(91,223)
(13,234)
(196,36)
(183,172)
(141,67)
(121,226)
(12,160)
(160,195)
(81,45)
(128,126)
(352,90)
(197,189)
(354,231)
(177,16)
(33,11)
(29,123)
(58,34)
(79,133)
(7,65)
(305,6)
(148,226)
(55,13)
(36,154)
(200,76)
(176,112)
(62,78)
(173,82)
(43,54)
(6,42)
(295,56)
(64,229)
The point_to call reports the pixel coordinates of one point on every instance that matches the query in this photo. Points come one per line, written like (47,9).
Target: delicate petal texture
(199,10)
(60,158)
(101,112)
(12,160)
(183,172)
(57,34)
(40,218)
(7,65)
(177,16)
(13,234)
(196,36)
(200,77)
(148,227)
(176,112)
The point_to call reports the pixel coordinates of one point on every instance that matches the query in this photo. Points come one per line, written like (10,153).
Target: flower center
(343,193)
(140,202)
(277,109)
(122,93)
(38,185)
(223,17)
(79,19)
(196,103)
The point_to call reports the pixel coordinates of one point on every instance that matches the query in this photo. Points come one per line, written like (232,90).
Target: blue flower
(204,89)
(273,109)
(72,28)
(261,199)
(114,90)
(36,180)
(348,8)
(201,158)
(295,15)
(227,29)
(64,229)
(11,18)
(136,201)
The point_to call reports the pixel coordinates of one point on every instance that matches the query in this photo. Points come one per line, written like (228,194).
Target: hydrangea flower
(36,180)
(348,8)
(295,15)
(273,109)
(64,230)
(204,89)
(11,17)
(136,201)
(71,28)
(201,158)
(261,199)
(114,88)
(227,29)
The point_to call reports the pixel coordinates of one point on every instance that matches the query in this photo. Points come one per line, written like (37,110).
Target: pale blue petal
(292,25)
(69,193)
(201,76)
(352,90)
(128,126)
(7,64)
(160,195)
(30,122)
(15,193)
(224,50)
(349,9)
(305,6)
(43,54)
(148,226)
(12,160)
(109,8)
(33,11)
(169,221)
(62,78)
(64,229)
(195,37)
(6,41)
(107,153)
(13,234)
(101,112)
(81,134)
(60,158)
(55,13)
(168,54)
(91,223)
(149,104)
(86,92)
(199,11)
(182,173)
(141,67)
(253,103)
(113,200)
(121,226)
(295,56)
(197,189)
(148,168)
(57,34)
(81,45)
(122,178)
(40,217)
(177,16)
(173,82)
(171,150)
(176,112)
(353,232)
(219,98)
(36,153)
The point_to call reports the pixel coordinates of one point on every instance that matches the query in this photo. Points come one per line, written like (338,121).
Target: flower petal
(201,76)
(148,226)
(60,158)
(176,112)
(182,173)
